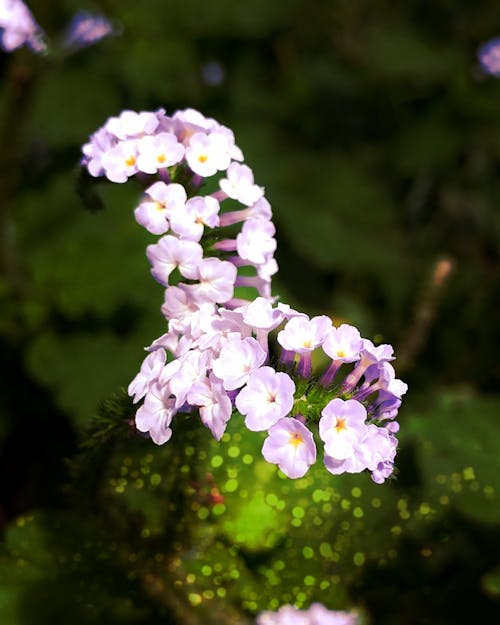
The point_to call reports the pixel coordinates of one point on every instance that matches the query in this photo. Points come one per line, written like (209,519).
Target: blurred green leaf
(458,444)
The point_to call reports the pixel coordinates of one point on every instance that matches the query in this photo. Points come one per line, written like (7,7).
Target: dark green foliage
(375,134)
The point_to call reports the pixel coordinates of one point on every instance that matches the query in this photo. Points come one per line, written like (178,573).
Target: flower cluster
(223,362)
(18,27)
(172,157)
(317,614)
(223,354)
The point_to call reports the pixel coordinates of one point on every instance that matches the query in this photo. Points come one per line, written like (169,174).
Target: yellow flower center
(340,353)
(202,158)
(161,158)
(130,161)
(295,439)
(340,425)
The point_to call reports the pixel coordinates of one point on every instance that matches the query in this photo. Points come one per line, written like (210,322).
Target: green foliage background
(377,138)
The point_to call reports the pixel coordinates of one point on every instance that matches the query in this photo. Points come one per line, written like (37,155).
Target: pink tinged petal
(159,151)
(208,154)
(131,124)
(240,186)
(266,398)
(214,402)
(389,382)
(178,303)
(148,375)
(172,197)
(192,368)
(371,354)
(291,446)
(168,341)
(260,209)
(169,253)
(217,278)
(377,446)
(155,416)
(304,335)
(218,327)
(343,343)
(261,314)
(120,162)
(237,359)
(352,464)
(256,242)
(342,426)
(152,216)
(198,213)
(289,312)
(266,270)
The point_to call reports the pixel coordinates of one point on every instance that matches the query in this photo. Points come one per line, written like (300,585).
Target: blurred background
(377,137)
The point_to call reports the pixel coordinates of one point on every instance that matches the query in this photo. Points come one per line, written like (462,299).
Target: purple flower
(178,304)
(256,243)
(148,375)
(217,278)
(186,370)
(160,202)
(267,397)
(374,450)
(155,415)
(382,472)
(120,162)
(208,154)
(18,27)
(198,212)
(303,335)
(291,446)
(86,29)
(237,359)
(159,151)
(341,426)
(171,252)
(371,354)
(214,402)
(343,343)
(240,186)
(130,124)
(489,57)
(261,314)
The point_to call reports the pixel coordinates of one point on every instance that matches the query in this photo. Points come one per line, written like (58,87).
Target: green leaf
(458,445)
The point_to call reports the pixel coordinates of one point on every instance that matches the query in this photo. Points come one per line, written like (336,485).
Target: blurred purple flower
(213,73)
(86,29)
(489,57)
(18,27)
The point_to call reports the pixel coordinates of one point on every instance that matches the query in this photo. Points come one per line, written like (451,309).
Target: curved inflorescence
(222,353)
